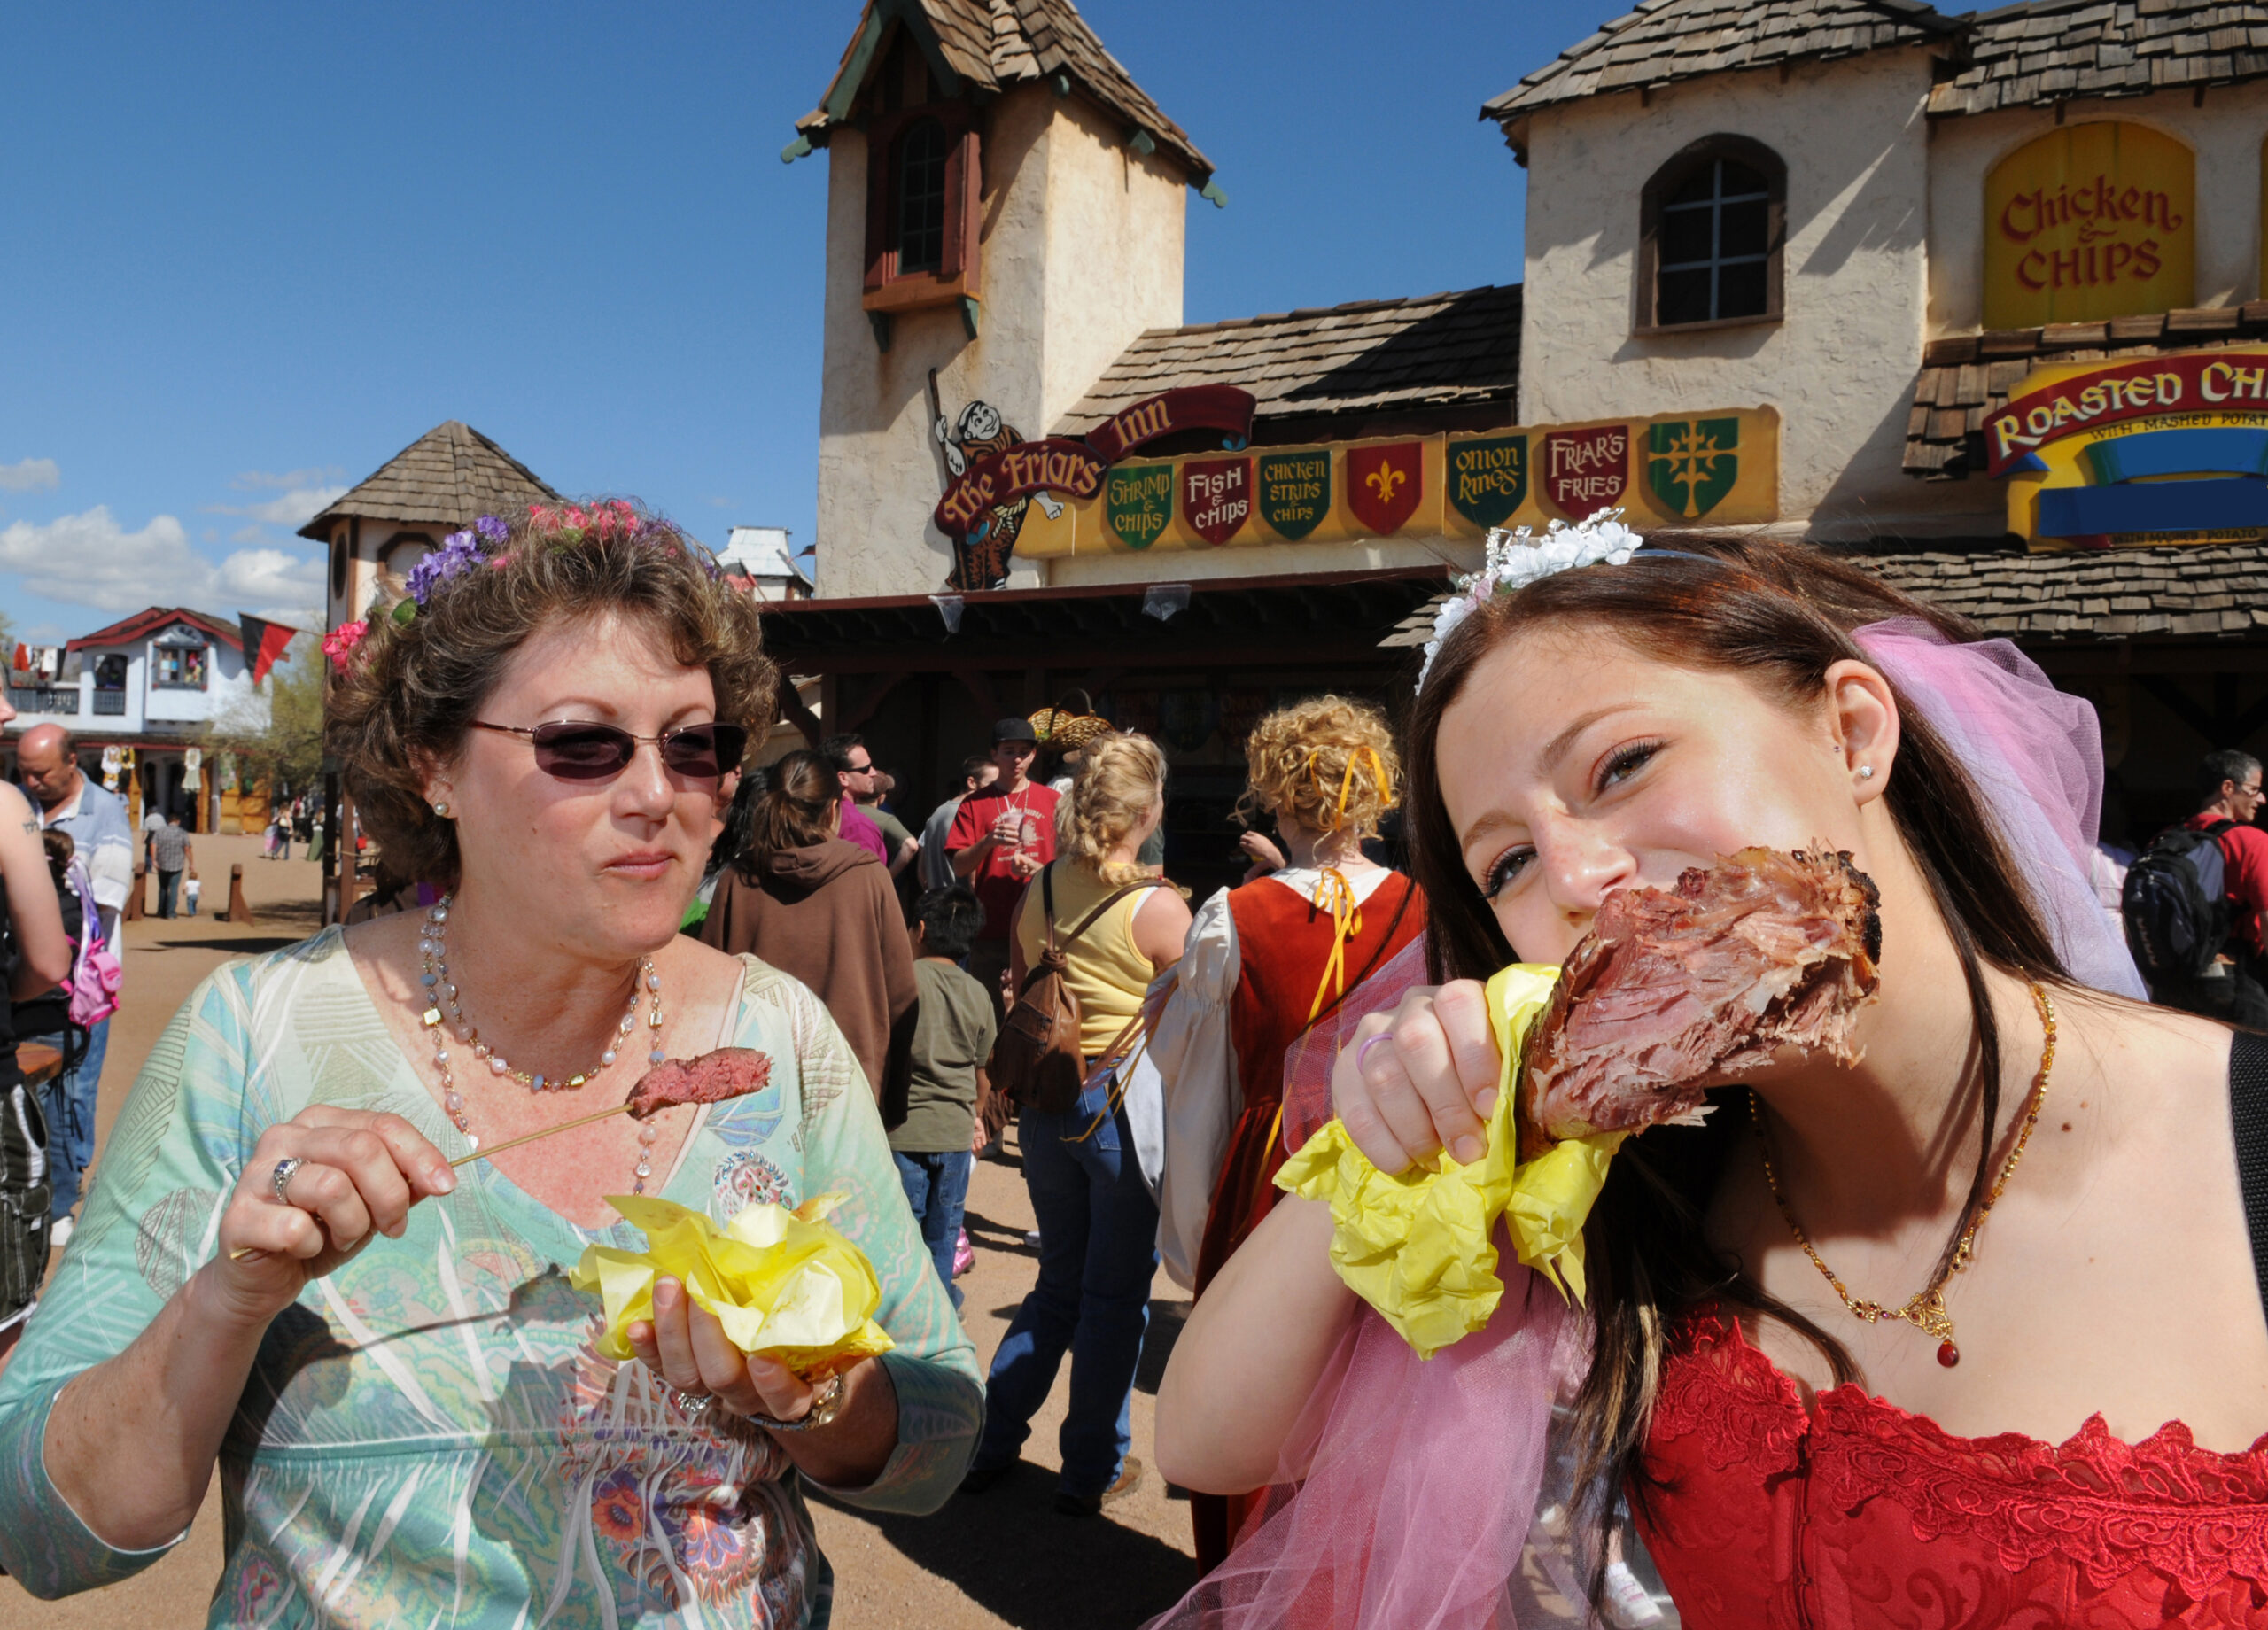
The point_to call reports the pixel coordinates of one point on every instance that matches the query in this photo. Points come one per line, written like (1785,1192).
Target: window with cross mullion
(1715,243)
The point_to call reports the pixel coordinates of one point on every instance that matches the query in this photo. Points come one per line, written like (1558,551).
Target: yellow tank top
(1103,967)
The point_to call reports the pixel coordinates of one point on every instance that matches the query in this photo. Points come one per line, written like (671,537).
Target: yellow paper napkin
(784,1284)
(1418,1245)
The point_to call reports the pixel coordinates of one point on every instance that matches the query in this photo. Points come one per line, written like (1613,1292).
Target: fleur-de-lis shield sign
(1384,484)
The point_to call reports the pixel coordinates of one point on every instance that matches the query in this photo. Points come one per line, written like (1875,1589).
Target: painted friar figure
(981,558)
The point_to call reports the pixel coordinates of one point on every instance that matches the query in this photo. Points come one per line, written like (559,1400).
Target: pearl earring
(1866,773)
(442,808)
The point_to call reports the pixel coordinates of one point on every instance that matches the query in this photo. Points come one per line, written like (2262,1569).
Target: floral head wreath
(1517,559)
(482,544)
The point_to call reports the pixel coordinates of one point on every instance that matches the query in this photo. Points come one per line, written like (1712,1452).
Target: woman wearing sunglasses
(417,1429)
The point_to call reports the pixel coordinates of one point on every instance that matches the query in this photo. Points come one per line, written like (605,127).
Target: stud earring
(1866,773)
(442,808)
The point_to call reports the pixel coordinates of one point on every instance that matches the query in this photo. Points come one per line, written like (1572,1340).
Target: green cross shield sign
(1692,463)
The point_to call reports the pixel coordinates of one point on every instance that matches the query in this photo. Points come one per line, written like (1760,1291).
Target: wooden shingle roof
(2217,591)
(992,44)
(1664,41)
(1967,378)
(451,474)
(2048,52)
(2172,591)
(1436,350)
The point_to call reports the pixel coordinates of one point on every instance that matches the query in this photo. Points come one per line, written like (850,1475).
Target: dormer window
(179,663)
(1712,223)
(921,181)
(923,184)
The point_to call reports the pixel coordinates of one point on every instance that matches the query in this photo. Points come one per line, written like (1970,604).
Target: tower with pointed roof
(445,480)
(1004,216)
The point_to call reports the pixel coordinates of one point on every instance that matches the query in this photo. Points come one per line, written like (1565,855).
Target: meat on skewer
(711,1078)
(1675,990)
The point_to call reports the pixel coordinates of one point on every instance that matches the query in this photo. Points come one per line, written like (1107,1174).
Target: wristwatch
(826,1404)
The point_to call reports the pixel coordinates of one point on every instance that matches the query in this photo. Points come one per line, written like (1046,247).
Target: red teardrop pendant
(1948,1354)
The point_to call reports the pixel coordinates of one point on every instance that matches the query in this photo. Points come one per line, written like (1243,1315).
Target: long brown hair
(1780,615)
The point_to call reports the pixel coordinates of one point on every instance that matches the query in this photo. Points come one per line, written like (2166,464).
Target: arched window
(1712,223)
(921,154)
(402,553)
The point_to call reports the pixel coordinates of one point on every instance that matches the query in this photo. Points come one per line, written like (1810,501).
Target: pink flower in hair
(541,515)
(575,517)
(339,643)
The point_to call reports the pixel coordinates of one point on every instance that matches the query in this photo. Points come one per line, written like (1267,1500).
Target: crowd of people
(553,747)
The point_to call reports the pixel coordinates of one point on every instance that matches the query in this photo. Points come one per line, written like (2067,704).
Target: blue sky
(252,250)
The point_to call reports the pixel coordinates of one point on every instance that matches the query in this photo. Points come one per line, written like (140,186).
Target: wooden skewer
(509,1143)
(548,1131)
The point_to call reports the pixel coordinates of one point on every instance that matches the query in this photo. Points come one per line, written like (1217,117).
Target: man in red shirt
(2230,783)
(1000,838)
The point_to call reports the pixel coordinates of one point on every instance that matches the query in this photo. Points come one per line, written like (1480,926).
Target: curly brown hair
(1298,759)
(405,696)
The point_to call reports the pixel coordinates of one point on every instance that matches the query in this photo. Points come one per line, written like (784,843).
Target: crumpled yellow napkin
(784,1284)
(1418,1245)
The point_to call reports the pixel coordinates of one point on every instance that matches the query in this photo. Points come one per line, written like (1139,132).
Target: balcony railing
(43,699)
(109,701)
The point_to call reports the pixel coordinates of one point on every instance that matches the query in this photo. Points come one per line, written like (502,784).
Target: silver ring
(692,1405)
(280,1179)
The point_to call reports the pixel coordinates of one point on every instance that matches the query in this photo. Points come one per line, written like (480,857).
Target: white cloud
(90,560)
(243,534)
(29,476)
(295,509)
(253,480)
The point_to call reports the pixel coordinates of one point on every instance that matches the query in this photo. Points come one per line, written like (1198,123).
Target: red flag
(264,643)
(23,663)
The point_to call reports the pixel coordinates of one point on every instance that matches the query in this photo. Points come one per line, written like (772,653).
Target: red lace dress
(1863,1517)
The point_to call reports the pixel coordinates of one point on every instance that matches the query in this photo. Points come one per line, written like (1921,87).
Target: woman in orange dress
(1262,963)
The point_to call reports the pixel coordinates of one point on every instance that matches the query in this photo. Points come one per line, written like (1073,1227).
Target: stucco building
(1786,266)
(137,695)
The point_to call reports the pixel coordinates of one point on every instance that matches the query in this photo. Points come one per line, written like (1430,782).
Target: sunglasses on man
(578,750)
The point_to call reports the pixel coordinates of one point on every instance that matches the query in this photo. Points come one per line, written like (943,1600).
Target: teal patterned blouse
(428,1436)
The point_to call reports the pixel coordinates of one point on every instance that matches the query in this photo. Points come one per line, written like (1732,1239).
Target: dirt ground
(1004,1559)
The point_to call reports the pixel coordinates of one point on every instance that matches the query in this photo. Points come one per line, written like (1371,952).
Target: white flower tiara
(1517,559)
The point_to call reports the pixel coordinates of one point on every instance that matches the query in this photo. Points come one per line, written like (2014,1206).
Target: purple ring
(1363,1053)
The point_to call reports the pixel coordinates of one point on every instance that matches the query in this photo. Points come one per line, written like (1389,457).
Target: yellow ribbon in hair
(784,1284)
(1418,1245)
(1354,757)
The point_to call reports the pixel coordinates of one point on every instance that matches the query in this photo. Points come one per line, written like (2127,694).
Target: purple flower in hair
(460,552)
(492,529)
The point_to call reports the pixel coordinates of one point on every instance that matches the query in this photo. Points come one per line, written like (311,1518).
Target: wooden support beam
(980,686)
(855,717)
(792,710)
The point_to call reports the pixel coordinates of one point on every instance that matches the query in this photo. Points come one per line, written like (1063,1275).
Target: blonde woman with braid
(1117,926)
(1262,964)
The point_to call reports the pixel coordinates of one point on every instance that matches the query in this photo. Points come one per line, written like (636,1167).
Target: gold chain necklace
(1926,1312)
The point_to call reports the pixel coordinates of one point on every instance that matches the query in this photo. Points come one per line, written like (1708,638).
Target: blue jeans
(936,1187)
(1097,1250)
(168,886)
(68,1103)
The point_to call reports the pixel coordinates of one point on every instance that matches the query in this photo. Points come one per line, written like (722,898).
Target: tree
(286,746)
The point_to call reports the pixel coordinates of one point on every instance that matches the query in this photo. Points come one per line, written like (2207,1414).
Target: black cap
(1014,729)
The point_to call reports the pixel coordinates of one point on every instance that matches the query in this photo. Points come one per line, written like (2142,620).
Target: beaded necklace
(441,992)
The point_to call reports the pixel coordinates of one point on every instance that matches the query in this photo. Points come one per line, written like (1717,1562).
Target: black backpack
(2175,901)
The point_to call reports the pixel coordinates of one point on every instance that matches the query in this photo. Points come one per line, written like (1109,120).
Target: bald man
(47,764)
